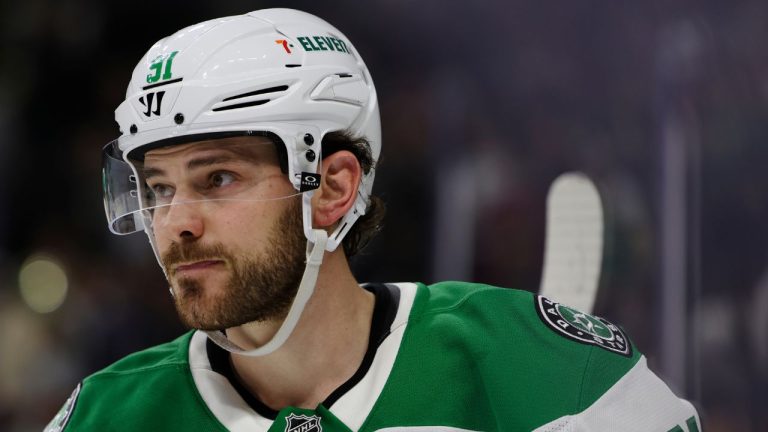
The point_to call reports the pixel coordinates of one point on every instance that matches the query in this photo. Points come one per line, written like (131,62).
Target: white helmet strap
(315,252)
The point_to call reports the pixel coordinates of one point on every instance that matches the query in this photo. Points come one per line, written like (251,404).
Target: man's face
(228,230)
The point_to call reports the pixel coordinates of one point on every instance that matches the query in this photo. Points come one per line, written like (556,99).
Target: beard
(258,288)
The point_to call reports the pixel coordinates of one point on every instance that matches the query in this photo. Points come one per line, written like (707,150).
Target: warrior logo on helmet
(148,103)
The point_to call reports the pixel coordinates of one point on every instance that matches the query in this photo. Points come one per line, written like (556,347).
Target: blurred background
(662,102)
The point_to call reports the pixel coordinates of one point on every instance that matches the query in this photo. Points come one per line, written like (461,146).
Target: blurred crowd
(483,105)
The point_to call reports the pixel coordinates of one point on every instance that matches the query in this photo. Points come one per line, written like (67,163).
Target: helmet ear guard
(342,226)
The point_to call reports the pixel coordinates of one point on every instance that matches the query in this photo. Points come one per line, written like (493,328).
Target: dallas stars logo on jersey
(582,327)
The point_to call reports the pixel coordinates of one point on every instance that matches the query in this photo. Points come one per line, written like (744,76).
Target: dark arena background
(663,103)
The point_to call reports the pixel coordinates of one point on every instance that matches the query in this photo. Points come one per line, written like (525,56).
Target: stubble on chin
(256,289)
(196,305)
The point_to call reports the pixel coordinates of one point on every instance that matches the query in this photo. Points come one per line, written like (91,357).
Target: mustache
(178,253)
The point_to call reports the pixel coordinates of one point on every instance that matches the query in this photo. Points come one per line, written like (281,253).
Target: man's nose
(183,221)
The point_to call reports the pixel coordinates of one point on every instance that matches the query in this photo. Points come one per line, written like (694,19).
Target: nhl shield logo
(581,327)
(302,423)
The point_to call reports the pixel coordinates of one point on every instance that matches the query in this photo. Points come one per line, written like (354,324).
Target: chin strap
(315,253)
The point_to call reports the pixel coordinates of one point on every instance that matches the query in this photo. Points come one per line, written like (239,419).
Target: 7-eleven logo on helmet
(287,45)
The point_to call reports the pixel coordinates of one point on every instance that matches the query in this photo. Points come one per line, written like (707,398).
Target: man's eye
(161,190)
(220,179)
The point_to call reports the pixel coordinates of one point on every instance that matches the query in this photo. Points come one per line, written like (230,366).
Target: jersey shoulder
(151,389)
(453,294)
(515,319)
(503,338)
(522,315)
(170,354)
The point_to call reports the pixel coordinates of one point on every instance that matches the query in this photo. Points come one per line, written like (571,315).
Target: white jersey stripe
(638,402)
(353,408)
(222,399)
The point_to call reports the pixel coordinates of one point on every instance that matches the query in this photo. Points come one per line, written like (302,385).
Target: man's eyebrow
(210,160)
(192,164)
(151,172)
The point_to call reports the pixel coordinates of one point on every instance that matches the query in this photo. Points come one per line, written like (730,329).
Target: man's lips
(196,266)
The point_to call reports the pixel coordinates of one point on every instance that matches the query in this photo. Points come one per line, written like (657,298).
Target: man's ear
(340,177)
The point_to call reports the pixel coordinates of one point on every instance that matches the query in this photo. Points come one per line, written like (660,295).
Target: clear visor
(140,191)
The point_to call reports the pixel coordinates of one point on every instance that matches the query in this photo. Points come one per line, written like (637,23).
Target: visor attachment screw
(310,155)
(134,129)
(178,118)
(309,139)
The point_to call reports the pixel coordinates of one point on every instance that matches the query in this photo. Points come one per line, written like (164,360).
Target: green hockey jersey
(453,357)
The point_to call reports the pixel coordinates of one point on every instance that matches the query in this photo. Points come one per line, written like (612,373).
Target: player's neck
(325,349)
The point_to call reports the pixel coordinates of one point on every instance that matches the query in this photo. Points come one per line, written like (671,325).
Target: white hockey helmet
(279,72)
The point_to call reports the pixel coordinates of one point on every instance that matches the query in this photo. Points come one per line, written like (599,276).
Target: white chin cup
(315,253)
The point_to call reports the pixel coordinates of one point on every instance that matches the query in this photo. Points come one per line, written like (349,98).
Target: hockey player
(247,155)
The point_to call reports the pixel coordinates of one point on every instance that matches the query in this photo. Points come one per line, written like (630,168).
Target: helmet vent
(257,92)
(242,105)
(250,98)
